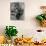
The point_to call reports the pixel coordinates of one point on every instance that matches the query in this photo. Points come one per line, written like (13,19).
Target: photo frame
(17,10)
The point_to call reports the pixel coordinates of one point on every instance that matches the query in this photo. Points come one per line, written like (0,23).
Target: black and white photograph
(17,10)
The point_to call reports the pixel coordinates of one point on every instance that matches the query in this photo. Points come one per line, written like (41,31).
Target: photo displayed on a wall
(17,10)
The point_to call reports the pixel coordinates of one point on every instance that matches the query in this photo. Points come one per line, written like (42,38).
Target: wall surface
(29,25)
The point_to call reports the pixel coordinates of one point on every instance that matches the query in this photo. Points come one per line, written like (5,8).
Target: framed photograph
(17,11)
